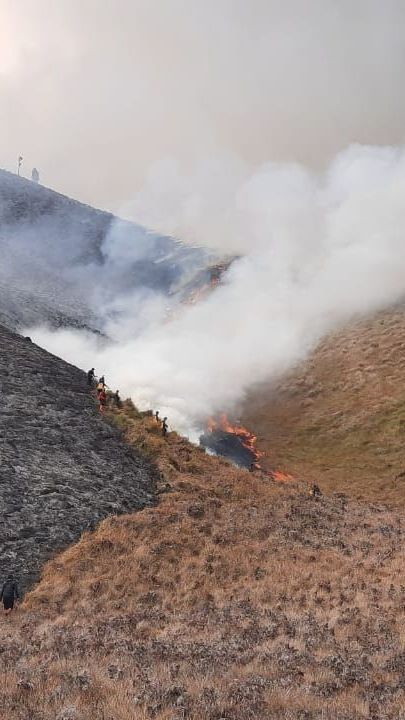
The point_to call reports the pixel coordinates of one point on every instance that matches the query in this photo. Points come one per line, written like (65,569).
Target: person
(117,399)
(316,491)
(157,418)
(100,388)
(165,427)
(102,380)
(9,594)
(90,377)
(102,398)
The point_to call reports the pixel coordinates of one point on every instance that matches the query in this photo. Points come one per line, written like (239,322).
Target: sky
(100,94)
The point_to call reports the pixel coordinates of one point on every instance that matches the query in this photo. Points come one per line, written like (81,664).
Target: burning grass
(238,444)
(236,597)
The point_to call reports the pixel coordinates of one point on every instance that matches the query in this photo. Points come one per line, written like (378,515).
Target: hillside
(339,418)
(206,592)
(65,263)
(234,598)
(62,468)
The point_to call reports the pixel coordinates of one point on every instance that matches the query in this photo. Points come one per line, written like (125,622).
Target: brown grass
(339,418)
(233,598)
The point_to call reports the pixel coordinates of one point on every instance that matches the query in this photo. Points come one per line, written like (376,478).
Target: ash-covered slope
(62,468)
(65,263)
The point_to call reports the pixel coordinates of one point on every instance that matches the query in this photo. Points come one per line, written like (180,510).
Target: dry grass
(234,598)
(339,418)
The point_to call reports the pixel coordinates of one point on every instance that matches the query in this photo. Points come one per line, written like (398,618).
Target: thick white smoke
(318,249)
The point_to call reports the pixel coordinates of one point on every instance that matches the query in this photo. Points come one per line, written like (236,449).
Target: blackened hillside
(62,468)
(62,261)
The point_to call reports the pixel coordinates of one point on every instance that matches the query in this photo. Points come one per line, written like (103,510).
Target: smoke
(174,106)
(94,93)
(319,249)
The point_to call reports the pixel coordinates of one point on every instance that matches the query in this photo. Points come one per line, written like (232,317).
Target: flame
(248,440)
(201,293)
(280,476)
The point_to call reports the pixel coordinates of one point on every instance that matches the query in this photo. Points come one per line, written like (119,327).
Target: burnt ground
(63,468)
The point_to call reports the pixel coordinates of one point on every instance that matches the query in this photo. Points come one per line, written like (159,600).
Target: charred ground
(62,468)
(63,260)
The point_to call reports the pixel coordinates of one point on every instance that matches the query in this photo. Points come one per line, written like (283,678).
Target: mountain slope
(65,263)
(339,418)
(234,598)
(62,467)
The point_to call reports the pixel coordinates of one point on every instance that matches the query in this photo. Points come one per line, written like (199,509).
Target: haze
(97,93)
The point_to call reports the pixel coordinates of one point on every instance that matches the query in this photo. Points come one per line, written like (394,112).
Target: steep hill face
(62,467)
(339,418)
(62,261)
(234,598)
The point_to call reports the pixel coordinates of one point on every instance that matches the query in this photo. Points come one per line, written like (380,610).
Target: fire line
(248,440)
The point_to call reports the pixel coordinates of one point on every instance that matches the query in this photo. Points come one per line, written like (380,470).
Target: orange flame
(281,477)
(248,440)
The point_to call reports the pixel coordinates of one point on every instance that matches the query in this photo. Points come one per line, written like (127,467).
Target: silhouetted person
(157,418)
(35,175)
(90,377)
(165,427)
(102,380)
(117,399)
(9,594)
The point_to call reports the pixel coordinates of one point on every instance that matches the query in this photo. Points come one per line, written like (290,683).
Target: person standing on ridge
(165,427)
(9,594)
(117,399)
(157,418)
(90,377)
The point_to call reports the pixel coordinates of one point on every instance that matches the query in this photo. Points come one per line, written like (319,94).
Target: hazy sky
(95,92)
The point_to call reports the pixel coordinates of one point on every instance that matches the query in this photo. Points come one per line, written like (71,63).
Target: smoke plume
(165,112)
(318,249)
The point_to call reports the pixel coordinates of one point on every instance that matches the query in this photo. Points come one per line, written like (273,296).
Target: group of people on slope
(101,389)
(115,399)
